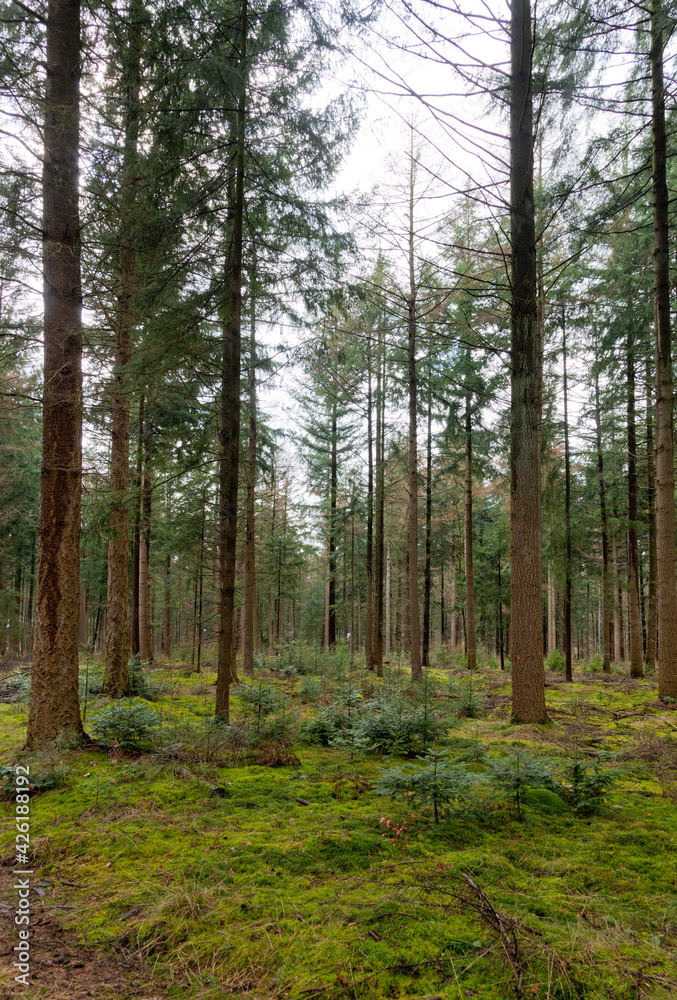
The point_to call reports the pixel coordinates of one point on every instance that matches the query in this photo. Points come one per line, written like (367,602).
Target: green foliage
(586,786)
(140,684)
(596,663)
(470,701)
(323,729)
(440,781)
(127,723)
(259,698)
(516,772)
(309,690)
(15,687)
(555,660)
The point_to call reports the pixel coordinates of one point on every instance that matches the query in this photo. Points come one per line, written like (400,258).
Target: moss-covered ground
(300,881)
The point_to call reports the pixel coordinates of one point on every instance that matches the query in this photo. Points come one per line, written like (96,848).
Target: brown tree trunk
(369,606)
(333,487)
(29,609)
(528,679)
(568,670)
(634,611)
(616,606)
(387,642)
(552,630)
(136,537)
(651,636)
(412,520)
(250,537)
(145,625)
(230,402)
(470,636)
(116,671)
(428,528)
(665,471)
(54,699)
(167,620)
(606,583)
(377,607)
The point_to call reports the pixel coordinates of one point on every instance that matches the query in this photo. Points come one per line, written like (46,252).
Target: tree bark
(167,620)
(54,699)
(634,610)
(250,537)
(665,473)
(428,527)
(136,537)
(116,671)
(146,653)
(470,633)
(568,671)
(369,605)
(377,607)
(606,595)
(412,525)
(333,488)
(651,636)
(528,679)
(230,402)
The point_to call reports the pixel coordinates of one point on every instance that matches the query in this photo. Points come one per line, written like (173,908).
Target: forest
(338,571)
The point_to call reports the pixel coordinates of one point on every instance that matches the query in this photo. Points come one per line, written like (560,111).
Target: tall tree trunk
(651,505)
(167,620)
(250,538)
(501,644)
(528,679)
(369,607)
(634,611)
(230,401)
(568,671)
(552,629)
(388,586)
(145,623)
(54,699)
(454,617)
(116,671)
(606,593)
(136,537)
(428,528)
(665,472)
(412,525)
(377,608)
(333,488)
(29,609)
(616,605)
(470,635)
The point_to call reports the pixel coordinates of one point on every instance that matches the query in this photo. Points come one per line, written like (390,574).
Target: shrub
(262,700)
(309,690)
(516,772)
(470,701)
(394,729)
(595,663)
(126,723)
(140,685)
(16,687)
(321,730)
(585,787)
(555,660)
(439,782)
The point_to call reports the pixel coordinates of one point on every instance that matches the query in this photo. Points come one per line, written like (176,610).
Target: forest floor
(206,863)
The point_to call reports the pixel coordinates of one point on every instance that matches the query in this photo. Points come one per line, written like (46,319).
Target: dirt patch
(62,968)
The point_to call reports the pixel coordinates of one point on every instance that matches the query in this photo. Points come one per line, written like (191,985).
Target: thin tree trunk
(369,608)
(167,623)
(230,403)
(428,528)
(454,616)
(552,629)
(470,635)
(618,654)
(651,636)
(665,472)
(568,671)
(54,698)
(29,609)
(250,537)
(606,596)
(377,605)
(333,487)
(387,642)
(634,611)
(412,526)
(136,538)
(528,679)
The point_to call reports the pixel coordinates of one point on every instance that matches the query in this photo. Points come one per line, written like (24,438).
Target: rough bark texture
(250,537)
(230,407)
(665,472)
(528,679)
(54,701)
(116,673)
(634,611)
(470,637)
(552,630)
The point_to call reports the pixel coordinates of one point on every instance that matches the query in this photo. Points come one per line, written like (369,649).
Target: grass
(300,881)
